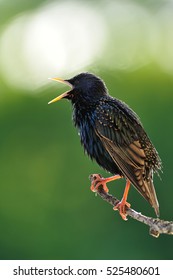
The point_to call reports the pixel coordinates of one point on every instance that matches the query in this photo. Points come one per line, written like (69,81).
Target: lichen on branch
(156,226)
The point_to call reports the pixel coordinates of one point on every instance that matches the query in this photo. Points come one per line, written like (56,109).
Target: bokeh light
(50,40)
(65,37)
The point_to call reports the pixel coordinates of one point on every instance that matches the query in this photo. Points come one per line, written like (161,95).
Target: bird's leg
(98,180)
(121,206)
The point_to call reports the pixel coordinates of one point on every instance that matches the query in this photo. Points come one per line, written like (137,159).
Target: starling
(112,135)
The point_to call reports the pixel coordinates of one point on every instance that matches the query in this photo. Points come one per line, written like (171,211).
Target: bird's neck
(81,112)
(84,104)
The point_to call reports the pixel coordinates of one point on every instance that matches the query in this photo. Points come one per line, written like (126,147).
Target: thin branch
(156,225)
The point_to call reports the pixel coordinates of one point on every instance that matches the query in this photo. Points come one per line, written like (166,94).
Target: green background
(47,210)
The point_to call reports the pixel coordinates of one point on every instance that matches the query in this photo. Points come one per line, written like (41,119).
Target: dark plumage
(112,134)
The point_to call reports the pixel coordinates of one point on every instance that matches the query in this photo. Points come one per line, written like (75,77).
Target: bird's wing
(121,134)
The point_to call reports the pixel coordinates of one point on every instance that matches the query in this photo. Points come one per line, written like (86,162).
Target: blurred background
(47,210)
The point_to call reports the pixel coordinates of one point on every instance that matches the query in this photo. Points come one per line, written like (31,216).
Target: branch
(156,225)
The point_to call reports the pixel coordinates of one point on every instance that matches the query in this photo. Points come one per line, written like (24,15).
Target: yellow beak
(62,95)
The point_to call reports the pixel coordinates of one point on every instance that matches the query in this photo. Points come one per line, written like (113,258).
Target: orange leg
(98,181)
(121,206)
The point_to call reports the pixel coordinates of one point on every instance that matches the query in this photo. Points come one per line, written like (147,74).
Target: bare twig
(156,225)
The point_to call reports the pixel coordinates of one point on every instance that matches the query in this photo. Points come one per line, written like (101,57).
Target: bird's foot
(97,181)
(121,207)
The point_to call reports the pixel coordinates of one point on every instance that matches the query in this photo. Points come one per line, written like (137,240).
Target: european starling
(112,135)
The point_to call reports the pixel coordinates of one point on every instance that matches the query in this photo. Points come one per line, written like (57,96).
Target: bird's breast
(88,136)
(92,143)
(85,121)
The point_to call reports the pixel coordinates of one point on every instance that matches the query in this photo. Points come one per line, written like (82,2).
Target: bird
(112,134)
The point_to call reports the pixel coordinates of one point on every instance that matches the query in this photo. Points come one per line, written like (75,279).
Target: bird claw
(98,181)
(121,207)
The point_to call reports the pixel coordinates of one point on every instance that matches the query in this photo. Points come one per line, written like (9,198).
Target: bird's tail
(150,194)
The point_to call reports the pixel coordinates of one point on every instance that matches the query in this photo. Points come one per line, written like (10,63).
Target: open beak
(62,95)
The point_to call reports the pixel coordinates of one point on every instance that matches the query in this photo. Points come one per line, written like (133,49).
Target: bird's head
(85,87)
